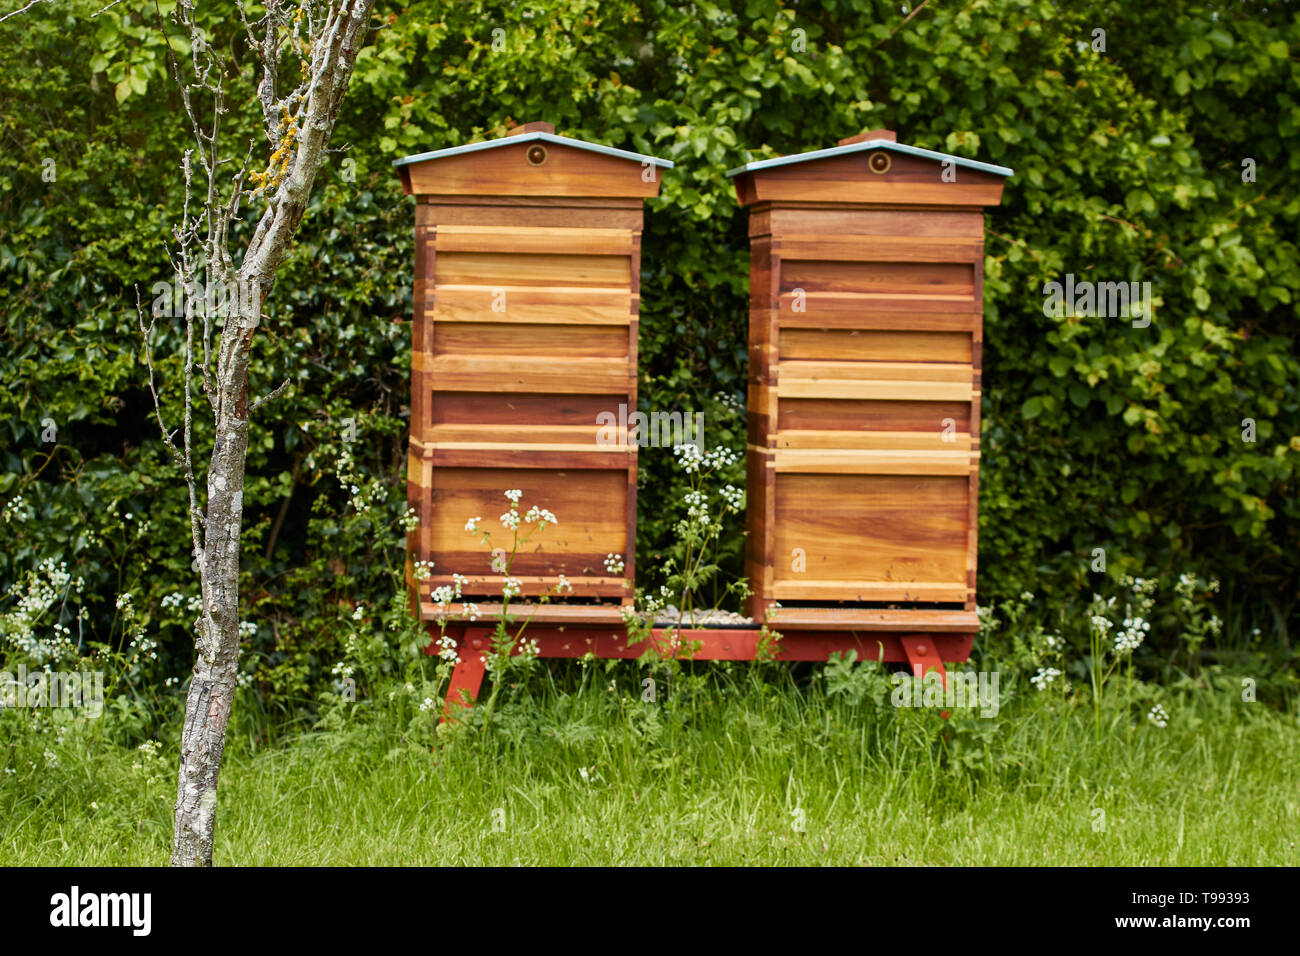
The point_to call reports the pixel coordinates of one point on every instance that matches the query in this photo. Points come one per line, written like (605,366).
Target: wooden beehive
(865,334)
(527,282)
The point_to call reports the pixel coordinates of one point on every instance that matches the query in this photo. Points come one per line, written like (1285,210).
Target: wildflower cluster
(1044,677)
(410,520)
(733,496)
(692,562)
(1139,600)
(447,650)
(444,594)
(691,460)
(1191,601)
(176,598)
(37,593)
(15,510)
(1131,634)
(150,762)
(363,494)
(541,516)
(1158,717)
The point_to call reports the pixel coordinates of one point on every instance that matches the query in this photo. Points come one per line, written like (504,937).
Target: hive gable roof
(544,137)
(870,144)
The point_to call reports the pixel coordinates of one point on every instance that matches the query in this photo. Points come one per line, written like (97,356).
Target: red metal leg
(923,656)
(467,675)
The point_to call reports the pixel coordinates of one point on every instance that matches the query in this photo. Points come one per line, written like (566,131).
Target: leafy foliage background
(1128,166)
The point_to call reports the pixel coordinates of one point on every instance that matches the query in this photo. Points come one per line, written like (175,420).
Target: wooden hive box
(527,285)
(866,276)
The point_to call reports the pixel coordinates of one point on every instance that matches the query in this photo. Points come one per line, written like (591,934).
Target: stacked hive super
(525,330)
(865,334)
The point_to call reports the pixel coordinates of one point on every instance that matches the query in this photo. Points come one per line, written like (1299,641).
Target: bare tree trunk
(212,690)
(314,42)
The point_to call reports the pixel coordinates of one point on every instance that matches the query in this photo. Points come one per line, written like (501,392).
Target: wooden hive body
(864,395)
(527,286)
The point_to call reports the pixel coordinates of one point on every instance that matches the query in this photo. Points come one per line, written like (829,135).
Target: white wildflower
(1131,634)
(1158,716)
(733,496)
(1044,677)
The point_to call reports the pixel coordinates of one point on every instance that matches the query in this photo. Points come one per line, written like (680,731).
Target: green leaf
(1220,38)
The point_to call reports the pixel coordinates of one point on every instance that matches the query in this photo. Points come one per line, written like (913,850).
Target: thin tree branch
(22,10)
(269,397)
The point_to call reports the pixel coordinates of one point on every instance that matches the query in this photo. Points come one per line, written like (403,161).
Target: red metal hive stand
(865,335)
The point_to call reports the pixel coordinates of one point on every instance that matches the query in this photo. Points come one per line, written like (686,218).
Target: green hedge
(1095,434)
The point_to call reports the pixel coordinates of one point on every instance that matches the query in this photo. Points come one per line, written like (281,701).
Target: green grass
(710,774)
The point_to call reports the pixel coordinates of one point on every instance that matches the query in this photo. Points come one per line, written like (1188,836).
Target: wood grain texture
(475,587)
(520,612)
(831,592)
(589,435)
(516,374)
(873,345)
(589,504)
(942,280)
(536,211)
(898,530)
(493,410)
(498,270)
(849,220)
(925,416)
(549,240)
(824,306)
(873,313)
(911,180)
(524,339)
(918,620)
(534,305)
(939,439)
(527,293)
(872,461)
(876,248)
(872,388)
(892,371)
(544,456)
(505,171)
(864,382)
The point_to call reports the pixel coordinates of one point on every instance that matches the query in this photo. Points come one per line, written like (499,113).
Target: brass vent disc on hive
(536,155)
(878,162)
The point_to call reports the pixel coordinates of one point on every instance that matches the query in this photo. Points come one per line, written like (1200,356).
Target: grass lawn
(730,766)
